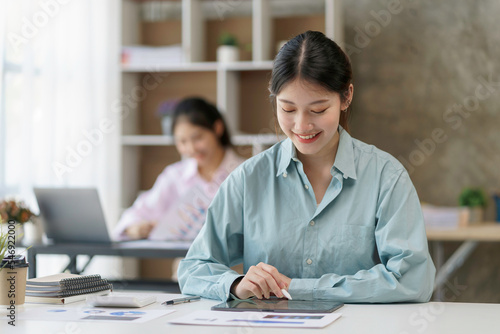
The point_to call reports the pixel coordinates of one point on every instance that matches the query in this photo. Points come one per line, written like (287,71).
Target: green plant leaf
(472,197)
(228,39)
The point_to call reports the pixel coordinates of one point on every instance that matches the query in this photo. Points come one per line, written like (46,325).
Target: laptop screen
(72,215)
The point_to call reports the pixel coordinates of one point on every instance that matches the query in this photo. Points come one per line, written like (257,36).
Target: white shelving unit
(258,142)
(228,78)
(205,66)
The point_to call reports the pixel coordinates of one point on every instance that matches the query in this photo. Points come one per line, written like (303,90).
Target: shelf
(187,67)
(247,66)
(160,140)
(147,140)
(201,67)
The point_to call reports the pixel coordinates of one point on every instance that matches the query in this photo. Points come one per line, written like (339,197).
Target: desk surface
(385,318)
(139,248)
(480,232)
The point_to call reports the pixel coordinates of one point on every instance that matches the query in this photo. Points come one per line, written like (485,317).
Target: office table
(470,237)
(356,318)
(139,249)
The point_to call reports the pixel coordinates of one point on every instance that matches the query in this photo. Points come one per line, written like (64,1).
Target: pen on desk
(181,300)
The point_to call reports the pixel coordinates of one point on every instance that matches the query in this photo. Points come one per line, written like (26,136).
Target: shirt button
(309,261)
(285,174)
(306,186)
(312,223)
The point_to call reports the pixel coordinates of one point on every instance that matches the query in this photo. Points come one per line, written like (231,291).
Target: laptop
(72,215)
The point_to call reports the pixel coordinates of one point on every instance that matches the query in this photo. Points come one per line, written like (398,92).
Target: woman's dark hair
(315,58)
(198,111)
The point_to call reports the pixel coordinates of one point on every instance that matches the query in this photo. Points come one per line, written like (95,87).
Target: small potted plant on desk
(228,48)
(474,199)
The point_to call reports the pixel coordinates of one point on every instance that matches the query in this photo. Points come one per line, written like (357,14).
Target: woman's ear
(219,128)
(348,97)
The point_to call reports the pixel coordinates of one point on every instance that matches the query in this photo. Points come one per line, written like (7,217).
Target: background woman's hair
(315,58)
(198,111)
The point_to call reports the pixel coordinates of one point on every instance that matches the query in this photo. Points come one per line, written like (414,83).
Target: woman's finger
(261,282)
(246,289)
(278,282)
(265,281)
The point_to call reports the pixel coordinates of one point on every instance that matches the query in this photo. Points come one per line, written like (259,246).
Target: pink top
(178,201)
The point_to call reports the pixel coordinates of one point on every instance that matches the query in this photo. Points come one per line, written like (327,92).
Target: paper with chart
(257,319)
(92,314)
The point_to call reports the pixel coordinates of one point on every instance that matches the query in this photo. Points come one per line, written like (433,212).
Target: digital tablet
(279,305)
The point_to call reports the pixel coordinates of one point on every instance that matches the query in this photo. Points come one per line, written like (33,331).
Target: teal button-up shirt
(364,243)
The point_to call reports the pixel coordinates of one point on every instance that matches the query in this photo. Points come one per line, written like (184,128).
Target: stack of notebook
(65,288)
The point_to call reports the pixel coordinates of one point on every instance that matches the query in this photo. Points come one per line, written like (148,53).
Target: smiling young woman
(320,214)
(309,115)
(175,207)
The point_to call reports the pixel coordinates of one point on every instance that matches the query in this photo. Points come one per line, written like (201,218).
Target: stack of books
(153,56)
(440,217)
(65,288)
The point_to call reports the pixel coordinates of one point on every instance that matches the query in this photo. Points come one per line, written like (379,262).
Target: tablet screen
(279,305)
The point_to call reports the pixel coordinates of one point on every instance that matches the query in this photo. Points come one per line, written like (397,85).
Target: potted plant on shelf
(474,199)
(166,112)
(17,212)
(228,48)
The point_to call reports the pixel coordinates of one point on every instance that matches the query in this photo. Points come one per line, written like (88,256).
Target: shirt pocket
(357,248)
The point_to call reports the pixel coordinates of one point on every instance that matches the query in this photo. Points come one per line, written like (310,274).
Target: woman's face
(196,142)
(309,115)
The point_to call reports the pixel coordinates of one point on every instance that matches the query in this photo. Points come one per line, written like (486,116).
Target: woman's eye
(319,111)
(287,110)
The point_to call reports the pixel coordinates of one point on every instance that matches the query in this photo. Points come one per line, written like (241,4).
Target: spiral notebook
(63,300)
(49,288)
(61,279)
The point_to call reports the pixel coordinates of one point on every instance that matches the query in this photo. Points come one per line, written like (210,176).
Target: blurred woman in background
(175,207)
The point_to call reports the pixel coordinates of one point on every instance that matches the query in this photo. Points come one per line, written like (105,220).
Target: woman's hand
(140,230)
(260,281)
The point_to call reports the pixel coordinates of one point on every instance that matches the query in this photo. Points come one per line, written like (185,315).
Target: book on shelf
(63,300)
(142,55)
(444,217)
(61,288)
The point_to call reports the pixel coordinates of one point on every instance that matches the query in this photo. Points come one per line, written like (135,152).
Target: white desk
(389,318)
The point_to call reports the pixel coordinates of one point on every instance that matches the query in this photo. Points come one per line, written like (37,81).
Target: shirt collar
(288,153)
(344,161)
